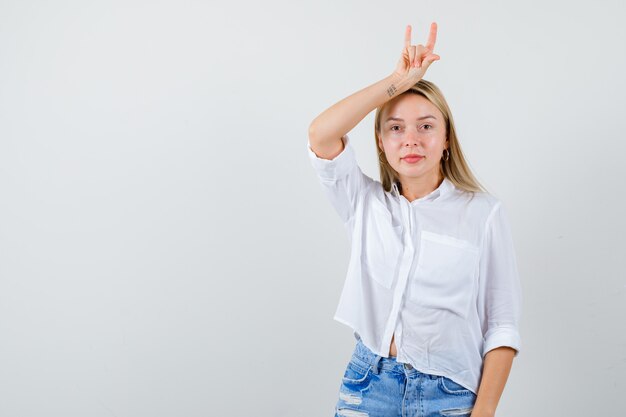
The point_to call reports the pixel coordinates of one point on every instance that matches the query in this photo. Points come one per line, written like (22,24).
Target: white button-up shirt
(439,272)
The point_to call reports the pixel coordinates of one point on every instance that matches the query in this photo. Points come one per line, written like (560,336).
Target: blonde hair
(455,169)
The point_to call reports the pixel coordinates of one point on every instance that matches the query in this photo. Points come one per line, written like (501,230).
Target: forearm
(344,115)
(496,369)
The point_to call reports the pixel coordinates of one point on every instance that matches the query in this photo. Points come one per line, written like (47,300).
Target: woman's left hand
(415,59)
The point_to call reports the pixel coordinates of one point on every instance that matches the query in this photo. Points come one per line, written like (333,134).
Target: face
(410,124)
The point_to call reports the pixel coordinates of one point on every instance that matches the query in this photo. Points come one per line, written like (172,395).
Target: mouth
(411,159)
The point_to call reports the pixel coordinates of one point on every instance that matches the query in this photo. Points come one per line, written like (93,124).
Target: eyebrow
(419,118)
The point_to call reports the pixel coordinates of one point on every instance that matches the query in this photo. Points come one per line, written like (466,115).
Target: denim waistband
(363,355)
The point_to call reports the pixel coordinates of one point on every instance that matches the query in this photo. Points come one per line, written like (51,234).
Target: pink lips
(412,158)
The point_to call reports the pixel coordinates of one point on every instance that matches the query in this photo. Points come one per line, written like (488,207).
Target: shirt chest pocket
(445,273)
(381,250)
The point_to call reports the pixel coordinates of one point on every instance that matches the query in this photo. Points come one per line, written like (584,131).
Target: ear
(380,144)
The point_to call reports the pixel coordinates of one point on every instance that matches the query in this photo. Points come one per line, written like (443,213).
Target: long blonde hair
(455,168)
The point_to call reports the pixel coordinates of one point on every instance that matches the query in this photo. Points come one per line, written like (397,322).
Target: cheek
(435,144)
(393,152)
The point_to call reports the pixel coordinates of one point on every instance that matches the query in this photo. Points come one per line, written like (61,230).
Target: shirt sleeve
(500,293)
(341,179)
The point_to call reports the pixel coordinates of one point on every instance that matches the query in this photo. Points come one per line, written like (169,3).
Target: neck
(420,187)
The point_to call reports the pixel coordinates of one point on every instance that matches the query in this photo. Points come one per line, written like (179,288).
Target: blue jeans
(373,386)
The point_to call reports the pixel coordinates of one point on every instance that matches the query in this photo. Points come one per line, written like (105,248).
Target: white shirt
(440,271)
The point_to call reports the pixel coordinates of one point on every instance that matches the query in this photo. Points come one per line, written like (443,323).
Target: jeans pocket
(450,387)
(356,374)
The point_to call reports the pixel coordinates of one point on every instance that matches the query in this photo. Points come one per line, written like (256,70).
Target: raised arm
(326,130)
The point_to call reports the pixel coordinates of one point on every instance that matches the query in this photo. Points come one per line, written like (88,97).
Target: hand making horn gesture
(416,59)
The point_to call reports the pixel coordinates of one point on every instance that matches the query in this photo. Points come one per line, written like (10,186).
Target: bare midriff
(392,348)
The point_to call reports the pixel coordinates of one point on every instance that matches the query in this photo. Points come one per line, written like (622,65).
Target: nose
(410,138)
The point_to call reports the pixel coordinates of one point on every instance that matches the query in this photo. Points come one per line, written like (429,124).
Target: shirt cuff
(332,169)
(502,336)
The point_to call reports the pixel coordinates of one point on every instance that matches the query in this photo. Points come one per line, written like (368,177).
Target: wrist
(400,83)
(481,411)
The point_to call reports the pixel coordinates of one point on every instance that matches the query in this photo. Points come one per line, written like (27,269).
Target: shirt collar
(444,188)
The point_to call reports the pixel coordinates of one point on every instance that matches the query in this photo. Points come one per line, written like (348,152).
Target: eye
(394,126)
(429,127)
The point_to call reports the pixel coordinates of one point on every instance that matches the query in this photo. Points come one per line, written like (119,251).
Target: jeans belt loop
(376,364)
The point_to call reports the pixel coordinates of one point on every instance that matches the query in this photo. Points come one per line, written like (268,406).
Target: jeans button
(408,366)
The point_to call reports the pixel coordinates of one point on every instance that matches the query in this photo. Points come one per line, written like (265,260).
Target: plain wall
(165,247)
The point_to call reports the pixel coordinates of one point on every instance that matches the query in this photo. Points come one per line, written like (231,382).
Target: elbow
(500,336)
(313,132)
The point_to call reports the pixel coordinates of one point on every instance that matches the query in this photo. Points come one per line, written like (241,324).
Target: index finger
(407,36)
(432,36)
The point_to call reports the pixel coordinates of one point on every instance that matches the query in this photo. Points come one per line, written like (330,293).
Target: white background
(166,250)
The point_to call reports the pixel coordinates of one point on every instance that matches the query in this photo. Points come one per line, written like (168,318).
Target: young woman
(432,291)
